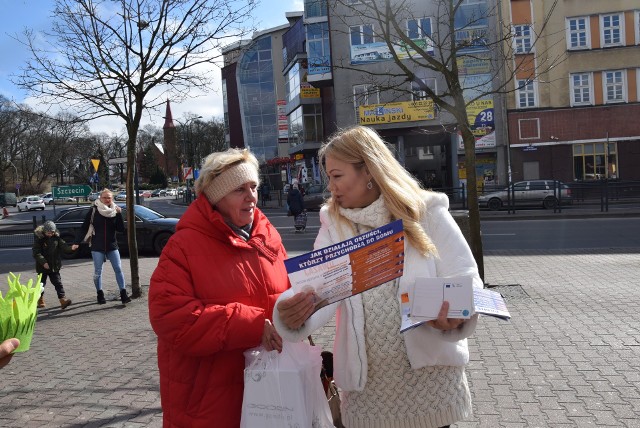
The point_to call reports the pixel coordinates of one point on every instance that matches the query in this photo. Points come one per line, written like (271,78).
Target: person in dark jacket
(106,218)
(47,251)
(295,200)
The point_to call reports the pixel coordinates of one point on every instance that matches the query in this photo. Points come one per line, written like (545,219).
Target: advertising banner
(408,111)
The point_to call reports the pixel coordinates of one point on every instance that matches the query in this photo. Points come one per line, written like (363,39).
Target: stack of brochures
(427,296)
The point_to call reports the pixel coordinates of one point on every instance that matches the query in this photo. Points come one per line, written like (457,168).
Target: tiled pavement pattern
(570,357)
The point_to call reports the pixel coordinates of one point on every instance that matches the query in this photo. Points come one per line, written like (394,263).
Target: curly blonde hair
(403,195)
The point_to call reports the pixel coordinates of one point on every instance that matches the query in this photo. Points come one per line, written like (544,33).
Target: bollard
(35,222)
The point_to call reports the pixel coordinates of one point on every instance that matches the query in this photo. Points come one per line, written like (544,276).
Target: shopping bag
(284,389)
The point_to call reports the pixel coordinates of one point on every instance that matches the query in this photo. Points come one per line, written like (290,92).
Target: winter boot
(41,302)
(123,296)
(64,303)
(101,300)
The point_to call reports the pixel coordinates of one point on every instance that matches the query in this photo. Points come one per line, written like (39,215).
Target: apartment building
(574,110)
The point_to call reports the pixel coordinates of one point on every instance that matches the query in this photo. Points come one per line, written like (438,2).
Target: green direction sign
(70,191)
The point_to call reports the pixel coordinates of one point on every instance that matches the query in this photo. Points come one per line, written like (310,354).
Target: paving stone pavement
(570,356)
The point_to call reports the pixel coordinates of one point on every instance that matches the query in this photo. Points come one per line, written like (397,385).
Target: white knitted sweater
(389,379)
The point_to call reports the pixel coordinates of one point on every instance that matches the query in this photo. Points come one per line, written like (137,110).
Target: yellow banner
(409,111)
(96,163)
(309,92)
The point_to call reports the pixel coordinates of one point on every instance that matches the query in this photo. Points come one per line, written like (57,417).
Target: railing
(19,234)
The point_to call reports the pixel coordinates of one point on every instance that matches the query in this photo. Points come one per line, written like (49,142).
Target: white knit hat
(229,180)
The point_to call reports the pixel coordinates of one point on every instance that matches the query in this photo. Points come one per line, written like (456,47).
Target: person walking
(104,219)
(47,251)
(212,294)
(388,379)
(265,192)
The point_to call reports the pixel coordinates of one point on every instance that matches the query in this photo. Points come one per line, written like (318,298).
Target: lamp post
(188,149)
(16,183)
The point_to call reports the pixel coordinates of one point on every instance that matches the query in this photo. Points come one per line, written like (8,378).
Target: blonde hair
(403,195)
(219,162)
(105,190)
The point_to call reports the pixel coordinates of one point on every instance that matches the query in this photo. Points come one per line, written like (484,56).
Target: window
(419,28)
(614,86)
(595,161)
(526,93)
(522,38)
(636,21)
(417,92)
(578,35)
(364,95)
(611,33)
(581,90)
(292,85)
(361,34)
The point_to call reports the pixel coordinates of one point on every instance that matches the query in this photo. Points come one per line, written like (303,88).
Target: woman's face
(238,205)
(348,184)
(106,198)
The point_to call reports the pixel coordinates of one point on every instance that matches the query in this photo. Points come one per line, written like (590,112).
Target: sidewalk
(570,356)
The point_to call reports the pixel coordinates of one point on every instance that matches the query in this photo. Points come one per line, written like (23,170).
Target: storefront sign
(408,111)
(308,91)
(283,128)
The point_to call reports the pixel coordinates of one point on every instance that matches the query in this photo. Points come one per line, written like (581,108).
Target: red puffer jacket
(208,299)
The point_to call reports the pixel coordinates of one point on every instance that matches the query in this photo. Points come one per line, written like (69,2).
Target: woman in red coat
(212,294)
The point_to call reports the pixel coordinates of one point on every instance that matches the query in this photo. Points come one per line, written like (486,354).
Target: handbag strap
(93,212)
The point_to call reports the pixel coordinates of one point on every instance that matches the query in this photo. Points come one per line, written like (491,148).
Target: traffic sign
(188,173)
(70,191)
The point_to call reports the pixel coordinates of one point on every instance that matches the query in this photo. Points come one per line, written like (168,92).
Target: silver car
(547,193)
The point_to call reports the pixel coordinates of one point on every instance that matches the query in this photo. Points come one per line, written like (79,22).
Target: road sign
(116,161)
(70,191)
(188,173)
(95,163)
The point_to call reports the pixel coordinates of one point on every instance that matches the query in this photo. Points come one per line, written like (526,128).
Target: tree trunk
(472,197)
(136,290)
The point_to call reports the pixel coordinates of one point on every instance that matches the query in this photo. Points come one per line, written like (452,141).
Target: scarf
(106,210)
(374,215)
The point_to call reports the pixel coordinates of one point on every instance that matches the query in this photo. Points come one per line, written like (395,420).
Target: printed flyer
(350,267)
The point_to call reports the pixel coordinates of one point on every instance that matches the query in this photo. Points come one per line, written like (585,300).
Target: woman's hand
(118,209)
(271,340)
(295,310)
(443,323)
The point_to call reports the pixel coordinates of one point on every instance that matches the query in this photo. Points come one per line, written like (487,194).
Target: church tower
(171,161)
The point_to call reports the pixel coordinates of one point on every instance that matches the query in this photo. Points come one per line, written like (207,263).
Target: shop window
(595,161)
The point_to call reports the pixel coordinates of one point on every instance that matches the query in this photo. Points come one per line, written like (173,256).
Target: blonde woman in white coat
(389,379)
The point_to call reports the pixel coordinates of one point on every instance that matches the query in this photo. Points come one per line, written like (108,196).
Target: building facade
(576,95)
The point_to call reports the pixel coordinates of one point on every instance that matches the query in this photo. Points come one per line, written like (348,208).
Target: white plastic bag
(284,389)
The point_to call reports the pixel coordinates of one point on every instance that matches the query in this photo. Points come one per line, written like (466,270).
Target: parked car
(528,193)
(93,196)
(7,199)
(315,196)
(121,196)
(153,230)
(48,198)
(156,193)
(146,193)
(29,203)
(172,192)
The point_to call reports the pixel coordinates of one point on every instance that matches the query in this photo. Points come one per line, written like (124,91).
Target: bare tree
(438,46)
(118,58)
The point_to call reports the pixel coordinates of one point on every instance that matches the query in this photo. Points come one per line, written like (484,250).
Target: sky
(17,15)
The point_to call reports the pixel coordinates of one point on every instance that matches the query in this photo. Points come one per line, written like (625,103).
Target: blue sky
(16,15)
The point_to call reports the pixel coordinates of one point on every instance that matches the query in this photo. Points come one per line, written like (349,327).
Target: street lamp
(16,183)
(189,159)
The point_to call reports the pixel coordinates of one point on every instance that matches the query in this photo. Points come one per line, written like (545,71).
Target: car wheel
(550,202)
(494,204)
(19,209)
(160,242)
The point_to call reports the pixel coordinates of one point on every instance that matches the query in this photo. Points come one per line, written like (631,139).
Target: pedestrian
(265,192)
(212,294)
(105,220)
(388,378)
(47,250)
(295,200)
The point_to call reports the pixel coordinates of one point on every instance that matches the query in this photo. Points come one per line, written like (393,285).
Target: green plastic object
(19,310)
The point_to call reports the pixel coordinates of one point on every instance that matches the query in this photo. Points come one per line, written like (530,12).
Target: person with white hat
(212,294)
